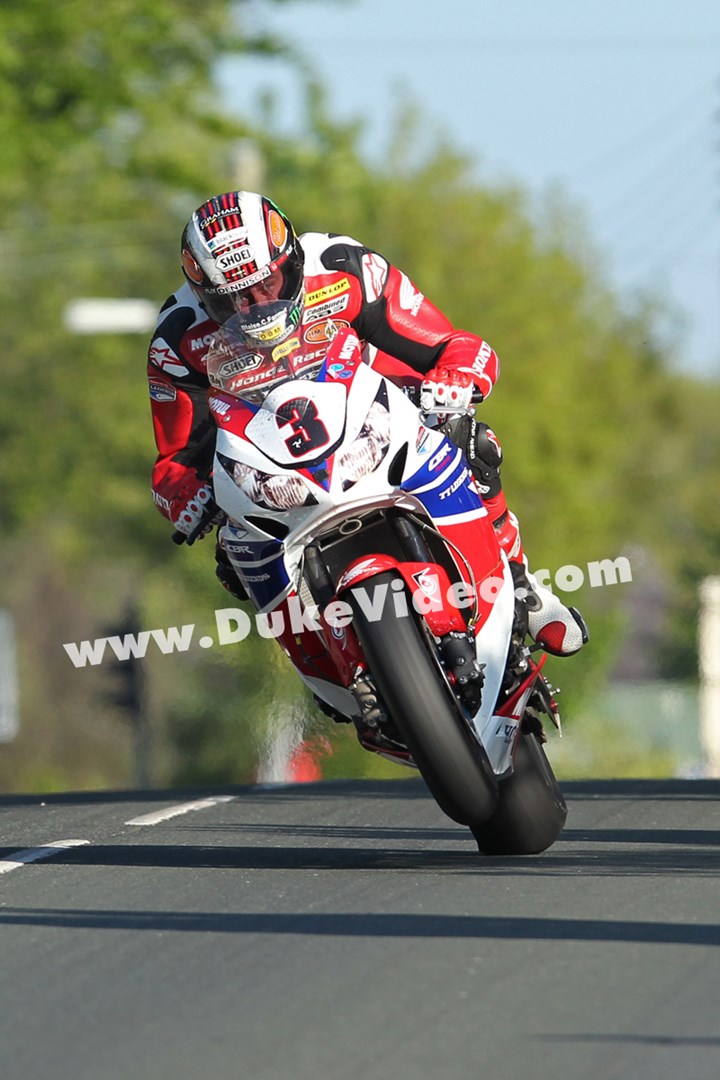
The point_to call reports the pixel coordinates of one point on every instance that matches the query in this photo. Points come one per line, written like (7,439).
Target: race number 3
(309,432)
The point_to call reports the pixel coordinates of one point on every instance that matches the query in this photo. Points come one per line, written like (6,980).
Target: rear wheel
(453,764)
(531,810)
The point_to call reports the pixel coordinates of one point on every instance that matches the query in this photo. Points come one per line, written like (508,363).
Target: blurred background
(547,175)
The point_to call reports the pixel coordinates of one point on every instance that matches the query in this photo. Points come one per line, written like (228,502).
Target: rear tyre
(531,810)
(453,764)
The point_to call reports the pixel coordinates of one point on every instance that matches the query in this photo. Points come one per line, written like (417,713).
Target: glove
(193,510)
(446,386)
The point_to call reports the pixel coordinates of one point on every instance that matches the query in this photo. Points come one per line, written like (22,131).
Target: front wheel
(531,810)
(453,764)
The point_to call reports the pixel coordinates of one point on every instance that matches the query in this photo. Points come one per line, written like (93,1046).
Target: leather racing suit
(345,284)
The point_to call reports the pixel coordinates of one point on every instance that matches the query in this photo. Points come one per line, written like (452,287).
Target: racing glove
(188,509)
(447,386)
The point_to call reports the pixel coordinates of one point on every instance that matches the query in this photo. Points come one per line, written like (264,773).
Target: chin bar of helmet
(209,514)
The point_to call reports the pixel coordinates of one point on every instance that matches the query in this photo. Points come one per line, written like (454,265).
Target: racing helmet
(242,259)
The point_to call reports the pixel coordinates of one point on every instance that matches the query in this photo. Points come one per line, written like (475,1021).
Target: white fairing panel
(364,423)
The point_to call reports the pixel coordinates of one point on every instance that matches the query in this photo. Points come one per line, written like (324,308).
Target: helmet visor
(259,304)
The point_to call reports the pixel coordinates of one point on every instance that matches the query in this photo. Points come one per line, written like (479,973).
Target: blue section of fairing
(449,490)
(321,474)
(266,582)
(263,582)
(244,550)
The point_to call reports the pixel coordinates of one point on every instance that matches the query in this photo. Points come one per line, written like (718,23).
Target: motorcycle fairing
(435,484)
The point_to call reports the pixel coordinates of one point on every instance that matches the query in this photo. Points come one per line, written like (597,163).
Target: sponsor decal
(427,581)
(360,568)
(326,310)
(270,334)
(231,259)
(219,406)
(506,729)
(287,347)
(434,462)
(422,441)
(374,275)
(309,357)
(409,299)
(327,292)
(324,331)
(162,391)
(225,239)
(256,579)
(198,343)
(351,343)
(191,268)
(492,437)
(480,361)
(455,485)
(238,549)
(278,229)
(339,371)
(161,501)
(239,363)
(244,282)
(163,357)
(218,215)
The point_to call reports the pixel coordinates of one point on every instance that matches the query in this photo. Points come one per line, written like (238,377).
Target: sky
(618,103)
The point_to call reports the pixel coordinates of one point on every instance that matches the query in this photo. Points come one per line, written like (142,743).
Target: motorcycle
(359,534)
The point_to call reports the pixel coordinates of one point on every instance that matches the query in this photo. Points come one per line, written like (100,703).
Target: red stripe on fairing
(236,418)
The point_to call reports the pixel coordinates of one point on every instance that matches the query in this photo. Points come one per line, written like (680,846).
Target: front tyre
(531,810)
(453,764)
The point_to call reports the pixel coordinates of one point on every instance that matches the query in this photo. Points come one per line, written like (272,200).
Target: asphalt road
(350,930)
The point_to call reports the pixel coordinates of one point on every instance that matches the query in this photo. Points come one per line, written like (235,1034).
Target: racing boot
(560,630)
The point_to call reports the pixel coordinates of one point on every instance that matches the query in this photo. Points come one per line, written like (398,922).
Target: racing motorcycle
(358,532)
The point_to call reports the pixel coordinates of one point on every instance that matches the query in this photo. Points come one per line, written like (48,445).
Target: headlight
(268,491)
(369,448)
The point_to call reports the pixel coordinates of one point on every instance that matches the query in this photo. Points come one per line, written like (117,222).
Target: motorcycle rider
(242,259)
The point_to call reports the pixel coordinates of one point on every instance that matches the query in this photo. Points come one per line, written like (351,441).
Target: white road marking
(45,851)
(181,808)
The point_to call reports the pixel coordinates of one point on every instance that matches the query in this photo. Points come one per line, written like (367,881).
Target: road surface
(350,931)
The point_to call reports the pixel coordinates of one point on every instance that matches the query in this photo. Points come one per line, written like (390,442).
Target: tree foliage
(112,134)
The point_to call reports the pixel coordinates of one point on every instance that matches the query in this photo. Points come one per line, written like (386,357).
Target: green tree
(111,133)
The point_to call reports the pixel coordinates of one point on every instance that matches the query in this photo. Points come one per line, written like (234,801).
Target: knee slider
(484,455)
(487,446)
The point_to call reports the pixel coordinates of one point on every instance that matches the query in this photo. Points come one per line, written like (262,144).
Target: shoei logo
(239,363)
(231,259)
